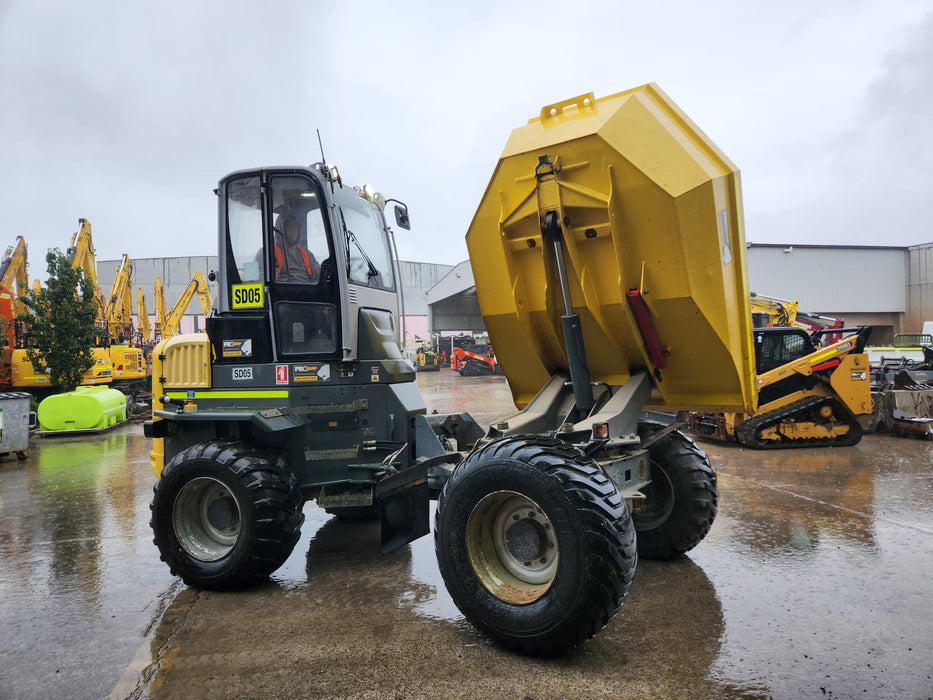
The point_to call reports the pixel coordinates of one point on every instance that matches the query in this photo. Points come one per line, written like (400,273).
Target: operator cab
(295,243)
(779,345)
(775,347)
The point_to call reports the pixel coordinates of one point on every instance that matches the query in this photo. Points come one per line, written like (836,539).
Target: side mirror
(401,217)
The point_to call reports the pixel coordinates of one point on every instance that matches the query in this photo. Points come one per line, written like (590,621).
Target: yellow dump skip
(651,217)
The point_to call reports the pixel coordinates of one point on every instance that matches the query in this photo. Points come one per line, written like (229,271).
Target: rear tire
(535,544)
(681,501)
(224,515)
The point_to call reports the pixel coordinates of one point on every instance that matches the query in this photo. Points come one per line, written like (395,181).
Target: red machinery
(816,322)
(471,364)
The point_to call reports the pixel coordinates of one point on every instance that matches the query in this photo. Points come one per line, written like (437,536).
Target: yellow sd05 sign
(247,296)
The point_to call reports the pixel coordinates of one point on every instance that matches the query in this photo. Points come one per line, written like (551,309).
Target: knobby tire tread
(693,515)
(606,525)
(275,501)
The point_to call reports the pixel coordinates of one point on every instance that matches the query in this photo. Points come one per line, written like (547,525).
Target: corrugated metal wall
(176,273)
(831,280)
(879,284)
(919,287)
(417,279)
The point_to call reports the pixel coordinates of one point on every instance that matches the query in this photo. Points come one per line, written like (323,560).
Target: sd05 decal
(247,296)
(242,373)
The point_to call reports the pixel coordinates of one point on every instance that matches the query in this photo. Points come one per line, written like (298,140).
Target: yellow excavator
(119,309)
(128,362)
(204,295)
(80,254)
(172,320)
(13,282)
(143,316)
(771,311)
(13,275)
(159,309)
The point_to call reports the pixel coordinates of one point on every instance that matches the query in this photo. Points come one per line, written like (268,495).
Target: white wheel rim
(512,547)
(206,518)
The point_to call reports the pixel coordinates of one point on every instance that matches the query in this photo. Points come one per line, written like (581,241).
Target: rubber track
(475,368)
(608,525)
(748,433)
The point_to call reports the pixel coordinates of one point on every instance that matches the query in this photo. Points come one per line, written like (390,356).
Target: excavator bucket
(649,211)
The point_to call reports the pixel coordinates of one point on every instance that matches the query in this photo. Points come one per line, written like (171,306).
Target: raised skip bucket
(649,213)
(86,408)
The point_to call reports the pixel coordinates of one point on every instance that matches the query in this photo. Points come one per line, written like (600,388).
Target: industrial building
(175,274)
(887,287)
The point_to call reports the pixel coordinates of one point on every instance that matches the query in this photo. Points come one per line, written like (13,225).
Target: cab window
(303,286)
(299,243)
(244,230)
(368,260)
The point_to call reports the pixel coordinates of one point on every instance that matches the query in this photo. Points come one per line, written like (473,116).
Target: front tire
(224,515)
(682,500)
(535,544)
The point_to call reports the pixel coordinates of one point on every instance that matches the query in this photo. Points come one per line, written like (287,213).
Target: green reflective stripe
(275,394)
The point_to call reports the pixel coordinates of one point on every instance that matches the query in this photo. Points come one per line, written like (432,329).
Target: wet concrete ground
(815,581)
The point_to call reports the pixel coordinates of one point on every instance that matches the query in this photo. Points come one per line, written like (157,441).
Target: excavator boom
(780,312)
(159,309)
(13,275)
(81,256)
(170,326)
(120,304)
(81,251)
(143,315)
(204,294)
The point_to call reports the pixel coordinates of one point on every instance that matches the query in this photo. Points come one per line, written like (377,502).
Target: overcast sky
(127,114)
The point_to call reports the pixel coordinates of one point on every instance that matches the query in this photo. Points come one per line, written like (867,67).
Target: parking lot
(814,582)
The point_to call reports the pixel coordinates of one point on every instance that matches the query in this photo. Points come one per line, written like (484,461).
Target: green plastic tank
(86,408)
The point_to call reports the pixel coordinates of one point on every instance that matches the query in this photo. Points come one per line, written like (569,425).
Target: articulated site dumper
(608,257)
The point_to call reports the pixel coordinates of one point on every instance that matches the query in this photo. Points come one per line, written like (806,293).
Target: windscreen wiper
(372,272)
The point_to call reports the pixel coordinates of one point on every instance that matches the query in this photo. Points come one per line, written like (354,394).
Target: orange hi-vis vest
(280,258)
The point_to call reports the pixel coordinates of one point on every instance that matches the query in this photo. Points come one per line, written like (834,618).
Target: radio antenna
(327,173)
(321,144)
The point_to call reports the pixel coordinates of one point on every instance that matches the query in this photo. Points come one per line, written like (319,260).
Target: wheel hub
(654,510)
(525,541)
(222,513)
(512,546)
(206,518)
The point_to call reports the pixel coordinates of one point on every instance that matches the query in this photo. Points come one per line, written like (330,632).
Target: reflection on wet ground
(486,399)
(78,583)
(814,582)
(822,560)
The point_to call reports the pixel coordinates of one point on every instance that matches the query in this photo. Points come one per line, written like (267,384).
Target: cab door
(304,289)
(269,312)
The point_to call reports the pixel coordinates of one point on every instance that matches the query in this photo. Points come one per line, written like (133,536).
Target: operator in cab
(294,262)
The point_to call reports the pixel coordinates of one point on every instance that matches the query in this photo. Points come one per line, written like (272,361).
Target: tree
(62,323)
